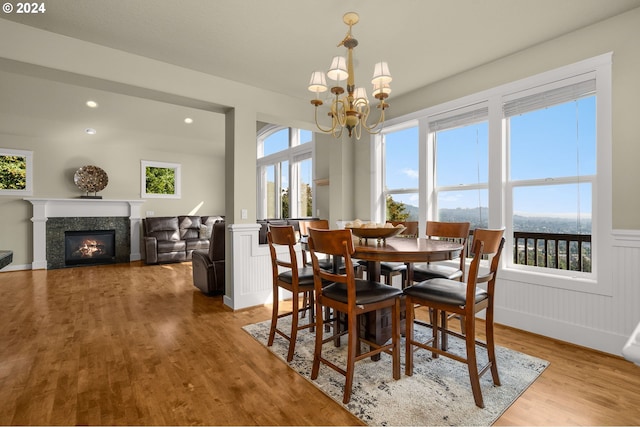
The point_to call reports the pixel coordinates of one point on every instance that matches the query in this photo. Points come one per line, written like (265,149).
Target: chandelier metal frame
(350,111)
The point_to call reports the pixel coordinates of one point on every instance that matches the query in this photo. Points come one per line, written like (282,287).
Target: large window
(400,190)
(532,156)
(285,173)
(551,139)
(460,144)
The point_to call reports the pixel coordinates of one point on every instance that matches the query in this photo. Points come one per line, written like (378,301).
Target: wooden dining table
(403,249)
(376,325)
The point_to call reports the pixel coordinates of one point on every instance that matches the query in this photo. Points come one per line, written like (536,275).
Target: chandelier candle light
(352,110)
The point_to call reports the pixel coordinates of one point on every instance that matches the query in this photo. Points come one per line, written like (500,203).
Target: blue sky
(558,141)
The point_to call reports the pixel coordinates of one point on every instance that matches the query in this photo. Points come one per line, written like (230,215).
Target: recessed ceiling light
(90,131)
(92,104)
(188,120)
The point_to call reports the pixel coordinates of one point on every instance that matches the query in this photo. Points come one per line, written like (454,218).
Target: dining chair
(389,269)
(346,294)
(297,280)
(464,299)
(454,231)
(326,261)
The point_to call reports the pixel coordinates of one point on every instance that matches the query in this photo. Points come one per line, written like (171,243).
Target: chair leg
(472,363)
(274,317)
(305,304)
(295,316)
(408,357)
(491,348)
(435,330)
(352,350)
(395,339)
(444,344)
(311,306)
(317,352)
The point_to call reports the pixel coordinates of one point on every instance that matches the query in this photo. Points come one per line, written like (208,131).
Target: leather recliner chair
(208,265)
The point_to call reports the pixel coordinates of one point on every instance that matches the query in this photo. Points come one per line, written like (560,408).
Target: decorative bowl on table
(379,233)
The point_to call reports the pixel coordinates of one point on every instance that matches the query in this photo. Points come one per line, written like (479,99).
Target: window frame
(598,67)
(176,167)
(28,187)
(384,191)
(295,153)
(473,111)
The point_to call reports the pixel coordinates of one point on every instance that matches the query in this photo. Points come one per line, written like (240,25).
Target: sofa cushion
(195,244)
(205,231)
(162,223)
(189,226)
(165,246)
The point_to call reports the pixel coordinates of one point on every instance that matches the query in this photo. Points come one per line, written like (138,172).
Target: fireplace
(89,247)
(64,236)
(52,217)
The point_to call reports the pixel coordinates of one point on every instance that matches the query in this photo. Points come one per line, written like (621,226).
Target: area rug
(438,393)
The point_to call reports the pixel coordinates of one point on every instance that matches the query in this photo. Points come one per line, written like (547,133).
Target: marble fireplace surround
(45,208)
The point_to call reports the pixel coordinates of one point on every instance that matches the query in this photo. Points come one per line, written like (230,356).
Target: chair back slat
(306,224)
(450,230)
(336,243)
(485,243)
(454,231)
(282,235)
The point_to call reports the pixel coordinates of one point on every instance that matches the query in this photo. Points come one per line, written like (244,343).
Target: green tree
(13,172)
(307,200)
(285,203)
(396,211)
(160,180)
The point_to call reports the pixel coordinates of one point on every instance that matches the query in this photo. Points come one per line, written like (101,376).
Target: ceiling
(276,44)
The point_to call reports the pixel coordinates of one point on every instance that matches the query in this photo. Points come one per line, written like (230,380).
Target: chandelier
(350,111)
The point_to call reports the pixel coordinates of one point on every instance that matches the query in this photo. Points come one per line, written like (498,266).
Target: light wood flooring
(131,344)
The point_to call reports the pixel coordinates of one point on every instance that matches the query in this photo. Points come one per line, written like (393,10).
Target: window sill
(567,282)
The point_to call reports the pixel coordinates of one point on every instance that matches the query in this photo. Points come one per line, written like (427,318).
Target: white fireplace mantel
(44,208)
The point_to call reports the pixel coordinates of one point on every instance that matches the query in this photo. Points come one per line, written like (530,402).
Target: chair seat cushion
(432,271)
(366,292)
(444,291)
(305,276)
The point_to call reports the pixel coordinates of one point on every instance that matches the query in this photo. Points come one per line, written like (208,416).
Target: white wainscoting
(601,322)
(250,273)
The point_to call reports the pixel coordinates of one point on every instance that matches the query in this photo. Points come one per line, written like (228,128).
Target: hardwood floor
(139,345)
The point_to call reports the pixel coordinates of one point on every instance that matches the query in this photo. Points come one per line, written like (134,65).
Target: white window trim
(295,153)
(28,155)
(143,179)
(596,282)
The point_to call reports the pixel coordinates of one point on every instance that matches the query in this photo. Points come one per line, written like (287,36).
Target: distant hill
(478,217)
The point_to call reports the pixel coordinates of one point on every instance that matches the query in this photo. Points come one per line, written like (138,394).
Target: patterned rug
(438,393)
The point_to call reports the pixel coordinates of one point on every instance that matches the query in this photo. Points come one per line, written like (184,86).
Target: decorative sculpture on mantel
(91,179)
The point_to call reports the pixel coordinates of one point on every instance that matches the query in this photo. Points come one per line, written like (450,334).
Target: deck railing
(553,250)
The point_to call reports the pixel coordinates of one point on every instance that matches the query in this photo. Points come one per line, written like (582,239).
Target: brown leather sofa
(208,265)
(174,238)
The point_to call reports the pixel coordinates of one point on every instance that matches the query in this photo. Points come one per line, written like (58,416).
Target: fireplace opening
(89,247)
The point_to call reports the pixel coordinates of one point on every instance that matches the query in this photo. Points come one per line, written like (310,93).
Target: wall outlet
(150,213)
(244,214)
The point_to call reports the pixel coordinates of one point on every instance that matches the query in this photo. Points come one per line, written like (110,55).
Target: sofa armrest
(151,250)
